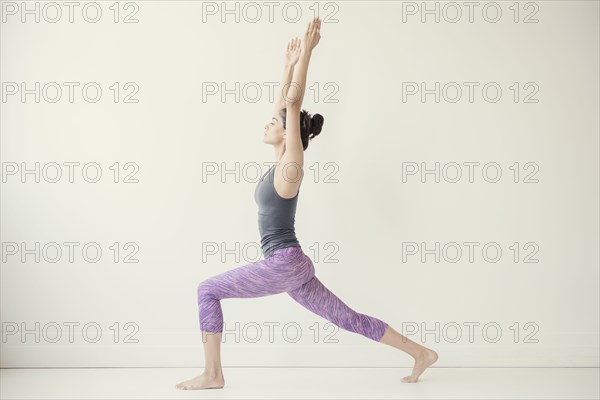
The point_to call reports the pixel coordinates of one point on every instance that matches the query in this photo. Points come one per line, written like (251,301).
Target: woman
(285,267)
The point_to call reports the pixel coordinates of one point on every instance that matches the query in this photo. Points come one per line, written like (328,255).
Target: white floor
(303,383)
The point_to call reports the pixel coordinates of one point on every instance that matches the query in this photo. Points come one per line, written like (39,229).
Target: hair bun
(316,124)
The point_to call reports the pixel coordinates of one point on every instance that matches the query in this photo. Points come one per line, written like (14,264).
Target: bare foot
(203,381)
(423,361)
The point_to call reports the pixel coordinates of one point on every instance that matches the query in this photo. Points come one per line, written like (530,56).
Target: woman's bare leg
(423,356)
(212,377)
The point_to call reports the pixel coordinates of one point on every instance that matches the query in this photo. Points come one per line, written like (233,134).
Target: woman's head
(310,126)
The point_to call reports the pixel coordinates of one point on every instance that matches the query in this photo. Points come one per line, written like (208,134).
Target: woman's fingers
(293,44)
(314,25)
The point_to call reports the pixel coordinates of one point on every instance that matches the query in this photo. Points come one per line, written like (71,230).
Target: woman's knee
(311,269)
(204,289)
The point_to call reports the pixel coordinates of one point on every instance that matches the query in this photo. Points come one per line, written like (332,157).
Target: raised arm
(297,89)
(291,58)
(293,142)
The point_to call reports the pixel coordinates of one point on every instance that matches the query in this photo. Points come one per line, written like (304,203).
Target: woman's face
(274,132)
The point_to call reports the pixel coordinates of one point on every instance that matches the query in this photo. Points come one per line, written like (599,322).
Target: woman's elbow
(294,105)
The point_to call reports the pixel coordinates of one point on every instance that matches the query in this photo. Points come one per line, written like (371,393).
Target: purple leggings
(285,270)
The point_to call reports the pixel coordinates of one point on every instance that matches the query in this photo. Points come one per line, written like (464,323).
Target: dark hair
(310,126)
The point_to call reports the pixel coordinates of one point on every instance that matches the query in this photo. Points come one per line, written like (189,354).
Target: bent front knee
(204,289)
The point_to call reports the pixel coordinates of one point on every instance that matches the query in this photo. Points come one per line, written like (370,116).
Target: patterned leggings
(285,270)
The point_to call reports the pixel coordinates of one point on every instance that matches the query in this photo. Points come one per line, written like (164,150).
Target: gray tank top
(276,215)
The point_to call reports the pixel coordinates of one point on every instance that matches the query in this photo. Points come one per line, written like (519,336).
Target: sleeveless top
(276,215)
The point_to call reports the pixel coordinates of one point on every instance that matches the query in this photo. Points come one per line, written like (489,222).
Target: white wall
(548,311)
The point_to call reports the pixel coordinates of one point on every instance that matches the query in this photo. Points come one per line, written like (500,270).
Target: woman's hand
(312,35)
(292,54)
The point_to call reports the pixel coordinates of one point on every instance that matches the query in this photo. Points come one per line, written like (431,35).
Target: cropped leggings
(284,270)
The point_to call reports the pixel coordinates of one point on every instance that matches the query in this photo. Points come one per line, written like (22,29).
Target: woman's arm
(288,71)
(293,142)
(291,58)
(298,85)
